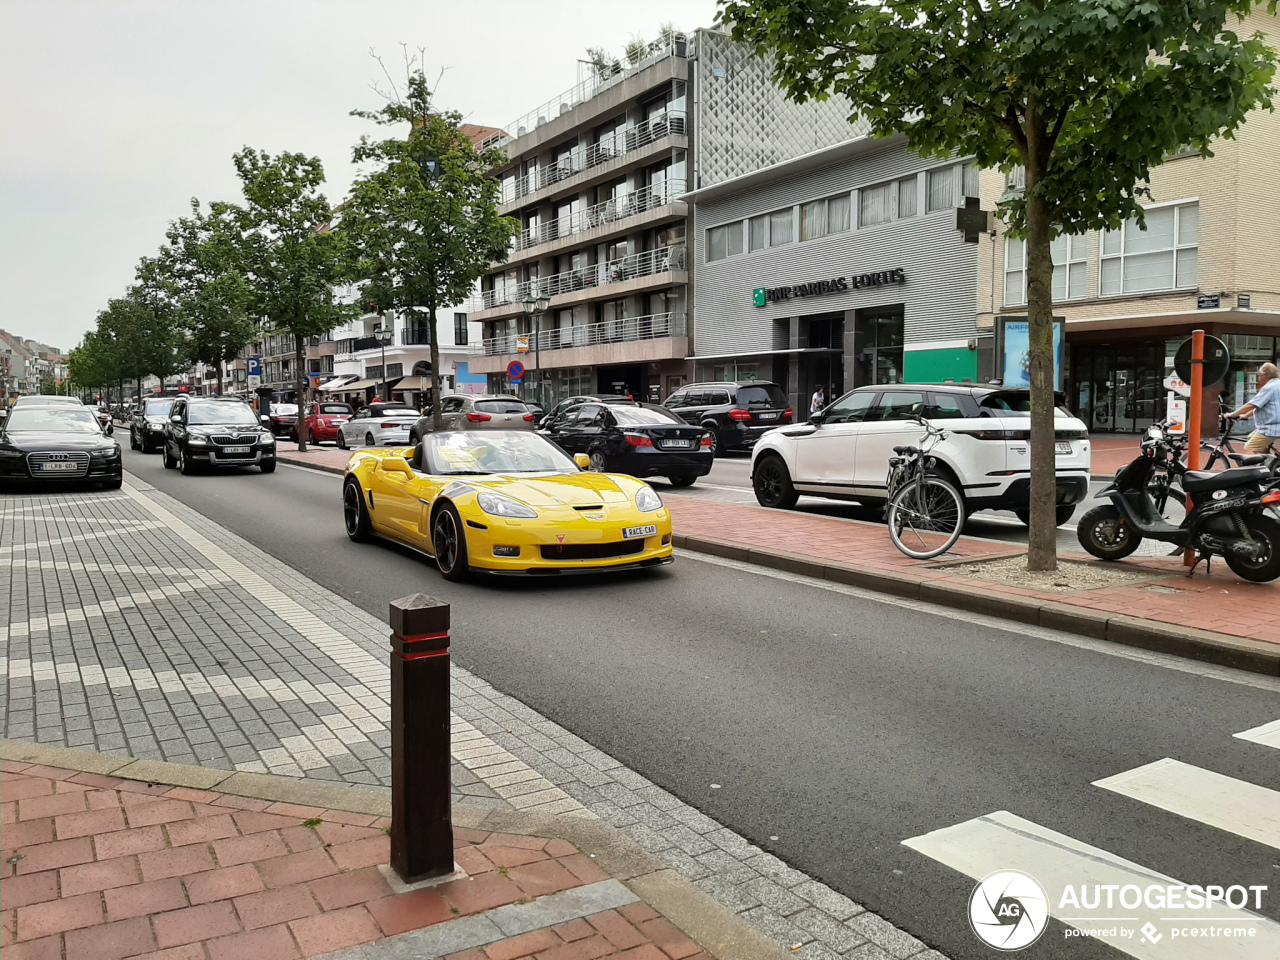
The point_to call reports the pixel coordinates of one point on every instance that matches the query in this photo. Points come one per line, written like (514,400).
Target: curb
(322,467)
(1188,642)
(712,926)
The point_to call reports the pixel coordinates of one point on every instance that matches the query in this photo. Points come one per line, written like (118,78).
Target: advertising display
(1015,352)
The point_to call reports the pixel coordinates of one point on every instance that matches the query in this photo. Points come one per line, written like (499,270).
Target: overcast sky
(115,112)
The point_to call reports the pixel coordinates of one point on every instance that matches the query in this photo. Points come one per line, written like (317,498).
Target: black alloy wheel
(267,466)
(134,442)
(311,438)
(1266,531)
(342,440)
(715,441)
(772,483)
(169,461)
(368,439)
(686,481)
(185,466)
(449,543)
(355,516)
(599,464)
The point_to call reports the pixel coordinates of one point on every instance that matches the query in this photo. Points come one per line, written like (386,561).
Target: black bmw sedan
(643,440)
(55,444)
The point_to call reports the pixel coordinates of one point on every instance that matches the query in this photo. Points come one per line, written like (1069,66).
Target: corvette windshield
(496,451)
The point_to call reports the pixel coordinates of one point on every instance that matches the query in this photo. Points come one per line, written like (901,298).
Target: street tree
(1086,95)
(294,261)
(202,270)
(137,334)
(423,221)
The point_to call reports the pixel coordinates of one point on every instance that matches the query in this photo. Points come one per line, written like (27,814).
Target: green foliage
(422,224)
(292,260)
(202,270)
(1087,95)
(130,341)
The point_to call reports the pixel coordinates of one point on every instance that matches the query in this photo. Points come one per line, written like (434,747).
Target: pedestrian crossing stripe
(1003,841)
(1268,734)
(1238,807)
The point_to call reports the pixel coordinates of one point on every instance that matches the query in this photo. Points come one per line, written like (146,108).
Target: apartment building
(27,364)
(597,178)
(1206,260)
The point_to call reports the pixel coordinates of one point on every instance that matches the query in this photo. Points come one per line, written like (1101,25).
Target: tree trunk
(299,350)
(437,422)
(218,367)
(1042,540)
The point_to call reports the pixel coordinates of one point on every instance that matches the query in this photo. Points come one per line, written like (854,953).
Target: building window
(1164,256)
(877,344)
(781,227)
(908,205)
(460,329)
(873,205)
(724,241)
(942,189)
(824,217)
(757,230)
(1070,268)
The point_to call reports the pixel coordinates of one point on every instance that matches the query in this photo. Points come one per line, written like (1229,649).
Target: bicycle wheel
(925,518)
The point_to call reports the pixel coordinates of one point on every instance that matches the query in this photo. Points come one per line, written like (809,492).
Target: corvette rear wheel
(355,516)
(449,543)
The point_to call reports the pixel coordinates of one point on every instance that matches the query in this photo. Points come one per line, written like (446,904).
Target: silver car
(477,411)
(378,425)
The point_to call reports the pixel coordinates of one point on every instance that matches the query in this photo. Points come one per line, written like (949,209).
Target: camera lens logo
(1008,910)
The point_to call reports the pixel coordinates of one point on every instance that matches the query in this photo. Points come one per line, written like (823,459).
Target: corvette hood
(567,490)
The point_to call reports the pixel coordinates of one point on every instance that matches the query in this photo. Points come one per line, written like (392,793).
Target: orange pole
(1193,419)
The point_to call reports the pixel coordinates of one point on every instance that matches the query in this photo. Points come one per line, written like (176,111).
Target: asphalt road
(837,722)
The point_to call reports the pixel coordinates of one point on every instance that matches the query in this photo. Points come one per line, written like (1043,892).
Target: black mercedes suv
(217,433)
(735,413)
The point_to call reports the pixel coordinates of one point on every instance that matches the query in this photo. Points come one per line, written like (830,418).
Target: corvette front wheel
(449,543)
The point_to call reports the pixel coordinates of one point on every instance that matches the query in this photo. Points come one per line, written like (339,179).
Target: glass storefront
(877,345)
(1119,387)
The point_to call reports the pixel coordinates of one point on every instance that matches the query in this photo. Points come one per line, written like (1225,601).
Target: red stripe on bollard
(419,637)
(419,656)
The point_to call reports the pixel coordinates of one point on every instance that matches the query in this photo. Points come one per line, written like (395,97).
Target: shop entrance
(1117,388)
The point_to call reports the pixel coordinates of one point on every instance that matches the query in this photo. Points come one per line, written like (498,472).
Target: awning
(414,383)
(334,384)
(358,385)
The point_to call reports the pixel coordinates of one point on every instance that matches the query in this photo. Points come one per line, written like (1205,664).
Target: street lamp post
(384,335)
(535,307)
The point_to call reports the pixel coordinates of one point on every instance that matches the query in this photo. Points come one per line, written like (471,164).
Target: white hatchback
(843,453)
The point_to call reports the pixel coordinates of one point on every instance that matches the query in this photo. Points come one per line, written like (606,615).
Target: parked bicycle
(925,512)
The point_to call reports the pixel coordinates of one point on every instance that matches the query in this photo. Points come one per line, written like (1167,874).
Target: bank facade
(838,268)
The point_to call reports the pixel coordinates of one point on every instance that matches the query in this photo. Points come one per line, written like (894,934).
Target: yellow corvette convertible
(504,502)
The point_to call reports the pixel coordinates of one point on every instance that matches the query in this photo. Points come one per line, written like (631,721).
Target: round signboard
(515,369)
(1216,360)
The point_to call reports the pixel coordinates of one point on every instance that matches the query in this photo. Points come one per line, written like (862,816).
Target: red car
(322,420)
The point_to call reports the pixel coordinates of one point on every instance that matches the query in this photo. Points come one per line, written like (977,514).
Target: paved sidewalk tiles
(191,871)
(280,676)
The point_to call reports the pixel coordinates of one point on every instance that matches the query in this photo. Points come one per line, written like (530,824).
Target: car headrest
(419,452)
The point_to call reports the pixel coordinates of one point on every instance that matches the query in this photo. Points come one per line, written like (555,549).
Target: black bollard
(421,811)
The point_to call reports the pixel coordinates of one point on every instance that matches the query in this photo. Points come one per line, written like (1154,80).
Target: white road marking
(1168,661)
(1003,841)
(1268,734)
(1236,806)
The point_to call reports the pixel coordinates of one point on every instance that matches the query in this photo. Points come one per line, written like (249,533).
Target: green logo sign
(759,296)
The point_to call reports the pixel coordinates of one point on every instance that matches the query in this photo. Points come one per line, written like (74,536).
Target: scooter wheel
(1106,534)
(1267,567)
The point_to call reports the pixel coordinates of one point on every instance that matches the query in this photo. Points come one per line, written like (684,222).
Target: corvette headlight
(497,505)
(647,500)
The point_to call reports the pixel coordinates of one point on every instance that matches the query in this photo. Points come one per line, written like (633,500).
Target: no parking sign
(515,369)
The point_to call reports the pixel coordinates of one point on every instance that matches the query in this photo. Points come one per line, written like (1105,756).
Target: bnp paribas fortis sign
(763,296)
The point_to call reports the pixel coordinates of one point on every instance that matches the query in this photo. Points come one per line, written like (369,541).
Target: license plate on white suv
(1062,447)
(648,530)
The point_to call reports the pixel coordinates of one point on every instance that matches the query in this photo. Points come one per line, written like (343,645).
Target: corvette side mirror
(397,465)
(582,460)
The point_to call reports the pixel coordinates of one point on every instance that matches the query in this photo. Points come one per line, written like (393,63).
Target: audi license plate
(235,449)
(1061,447)
(683,444)
(648,530)
(65,465)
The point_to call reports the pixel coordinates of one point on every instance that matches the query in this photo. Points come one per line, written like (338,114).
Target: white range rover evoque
(843,452)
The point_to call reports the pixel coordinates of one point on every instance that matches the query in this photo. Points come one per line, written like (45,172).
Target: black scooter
(1230,515)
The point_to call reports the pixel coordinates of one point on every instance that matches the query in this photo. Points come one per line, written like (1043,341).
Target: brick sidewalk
(101,867)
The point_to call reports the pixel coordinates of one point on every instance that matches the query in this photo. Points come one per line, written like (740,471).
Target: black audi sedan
(643,440)
(204,432)
(58,443)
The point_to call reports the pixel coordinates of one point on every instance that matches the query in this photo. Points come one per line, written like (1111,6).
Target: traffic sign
(515,369)
(253,371)
(1217,359)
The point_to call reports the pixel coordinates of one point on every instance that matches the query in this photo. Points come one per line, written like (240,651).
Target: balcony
(601,214)
(658,336)
(606,76)
(617,144)
(649,263)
